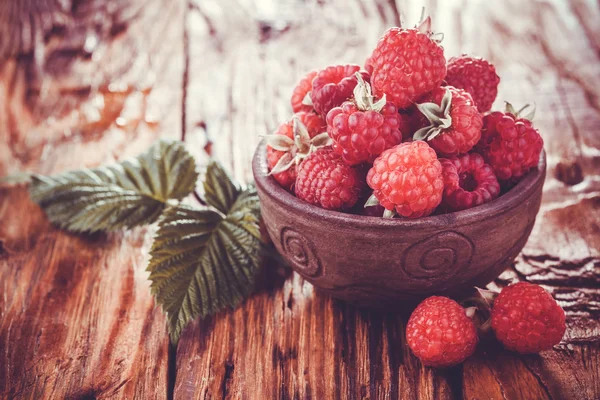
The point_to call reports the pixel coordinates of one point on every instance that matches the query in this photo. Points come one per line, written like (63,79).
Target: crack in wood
(500,385)
(539,379)
(227,376)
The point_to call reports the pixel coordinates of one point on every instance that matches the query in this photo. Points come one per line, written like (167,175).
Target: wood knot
(569,173)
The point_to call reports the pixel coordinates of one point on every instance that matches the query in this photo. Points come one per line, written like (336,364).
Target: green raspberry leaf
(131,193)
(220,190)
(203,261)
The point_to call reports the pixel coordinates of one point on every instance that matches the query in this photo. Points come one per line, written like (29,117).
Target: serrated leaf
(124,195)
(220,190)
(203,261)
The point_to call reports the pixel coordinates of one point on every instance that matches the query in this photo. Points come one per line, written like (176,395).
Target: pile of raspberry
(410,135)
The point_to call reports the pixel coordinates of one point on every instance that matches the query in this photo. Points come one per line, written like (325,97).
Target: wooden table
(88,83)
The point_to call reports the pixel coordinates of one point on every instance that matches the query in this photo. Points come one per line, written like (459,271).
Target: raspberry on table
(476,76)
(454,122)
(407,179)
(301,99)
(526,319)
(440,333)
(406,64)
(509,143)
(468,182)
(334,85)
(285,150)
(363,128)
(326,181)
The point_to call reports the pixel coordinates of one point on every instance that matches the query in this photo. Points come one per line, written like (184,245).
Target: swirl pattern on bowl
(300,251)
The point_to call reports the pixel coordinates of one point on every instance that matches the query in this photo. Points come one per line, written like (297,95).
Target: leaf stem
(14,179)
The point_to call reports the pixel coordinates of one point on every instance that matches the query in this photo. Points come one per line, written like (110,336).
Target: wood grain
(77,320)
(84,83)
(81,83)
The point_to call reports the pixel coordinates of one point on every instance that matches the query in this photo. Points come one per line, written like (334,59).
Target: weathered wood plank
(292,342)
(77,319)
(81,83)
(95,89)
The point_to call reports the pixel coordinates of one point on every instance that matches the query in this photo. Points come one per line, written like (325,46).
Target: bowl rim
(502,204)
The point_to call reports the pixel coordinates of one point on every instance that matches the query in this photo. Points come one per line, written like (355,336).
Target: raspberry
(361,129)
(406,123)
(526,318)
(440,333)
(510,144)
(302,89)
(455,123)
(476,76)
(285,150)
(413,119)
(407,63)
(369,65)
(468,182)
(408,179)
(325,180)
(334,85)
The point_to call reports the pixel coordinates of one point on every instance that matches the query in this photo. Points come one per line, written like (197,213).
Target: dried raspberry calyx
(438,116)
(482,302)
(373,201)
(519,113)
(424,26)
(363,97)
(307,100)
(297,149)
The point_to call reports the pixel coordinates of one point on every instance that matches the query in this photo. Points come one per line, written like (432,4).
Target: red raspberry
(412,120)
(302,89)
(455,123)
(510,144)
(468,182)
(284,151)
(325,180)
(407,63)
(369,65)
(440,333)
(526,318)
(408,179)
(406,127)
(476,76)
(361,129)
(334,85)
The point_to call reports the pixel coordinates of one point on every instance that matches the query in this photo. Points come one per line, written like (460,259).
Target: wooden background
(84,83)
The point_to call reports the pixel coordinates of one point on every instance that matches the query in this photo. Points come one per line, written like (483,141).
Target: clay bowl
(375,261)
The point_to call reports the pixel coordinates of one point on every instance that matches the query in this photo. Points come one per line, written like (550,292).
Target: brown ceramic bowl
(372,260)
